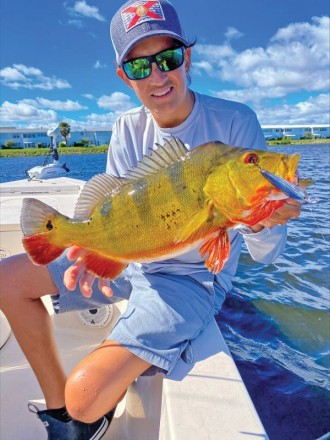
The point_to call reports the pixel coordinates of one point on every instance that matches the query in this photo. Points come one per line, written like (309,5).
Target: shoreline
(103,149)
(277,142)
(62,151)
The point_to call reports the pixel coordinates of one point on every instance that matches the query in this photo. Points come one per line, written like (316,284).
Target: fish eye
(251,158)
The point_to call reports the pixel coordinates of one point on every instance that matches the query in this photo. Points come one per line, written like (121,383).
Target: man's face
(165,94)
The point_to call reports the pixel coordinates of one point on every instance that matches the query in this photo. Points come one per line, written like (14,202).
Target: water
(82,166)
(275,321)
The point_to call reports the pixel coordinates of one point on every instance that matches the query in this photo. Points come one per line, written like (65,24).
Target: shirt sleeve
(265,246)
(246,132)
(117,164)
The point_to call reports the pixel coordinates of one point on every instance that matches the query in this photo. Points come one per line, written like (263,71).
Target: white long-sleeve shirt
(212,119)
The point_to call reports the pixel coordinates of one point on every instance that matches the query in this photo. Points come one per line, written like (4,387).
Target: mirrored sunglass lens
(137,69)
(170,59)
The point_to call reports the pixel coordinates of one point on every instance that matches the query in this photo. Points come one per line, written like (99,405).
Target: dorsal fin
(165,155)
(95,190)
(102,185)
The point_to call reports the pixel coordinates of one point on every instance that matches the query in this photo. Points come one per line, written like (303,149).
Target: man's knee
(84,399)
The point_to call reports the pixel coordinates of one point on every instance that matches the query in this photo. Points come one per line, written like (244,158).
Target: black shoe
(68,429)
(110,414)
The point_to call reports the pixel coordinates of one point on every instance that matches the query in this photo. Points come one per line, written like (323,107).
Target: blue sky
(57,62)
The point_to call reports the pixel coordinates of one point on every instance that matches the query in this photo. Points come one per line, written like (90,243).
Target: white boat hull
(49,171)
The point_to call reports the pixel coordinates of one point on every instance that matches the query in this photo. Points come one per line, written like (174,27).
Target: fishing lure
(291,190)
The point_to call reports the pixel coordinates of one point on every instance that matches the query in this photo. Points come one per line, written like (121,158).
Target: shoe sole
(102,430)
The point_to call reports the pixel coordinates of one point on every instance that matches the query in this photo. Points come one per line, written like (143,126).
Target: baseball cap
(137,20)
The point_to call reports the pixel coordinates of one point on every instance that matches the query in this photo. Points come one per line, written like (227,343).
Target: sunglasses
(166,60)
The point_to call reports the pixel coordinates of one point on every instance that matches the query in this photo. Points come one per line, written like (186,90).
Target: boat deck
(206,400)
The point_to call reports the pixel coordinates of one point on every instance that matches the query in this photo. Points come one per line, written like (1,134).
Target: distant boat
(55,169)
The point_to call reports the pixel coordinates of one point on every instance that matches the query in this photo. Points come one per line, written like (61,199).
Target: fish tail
(38,220)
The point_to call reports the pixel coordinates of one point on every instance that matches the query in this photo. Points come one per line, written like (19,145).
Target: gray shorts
(164,313)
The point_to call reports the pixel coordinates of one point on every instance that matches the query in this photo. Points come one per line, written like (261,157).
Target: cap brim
(150,34)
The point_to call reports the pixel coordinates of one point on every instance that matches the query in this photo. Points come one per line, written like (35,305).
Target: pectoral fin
(103,267)
(198,225)
(217,248)
(305,183)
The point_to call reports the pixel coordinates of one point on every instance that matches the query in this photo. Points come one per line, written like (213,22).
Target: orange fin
(103,267)
(263,212)
(217,248)
(40,250)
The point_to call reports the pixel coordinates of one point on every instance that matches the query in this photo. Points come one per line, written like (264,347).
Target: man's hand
(77,272)
(290,209)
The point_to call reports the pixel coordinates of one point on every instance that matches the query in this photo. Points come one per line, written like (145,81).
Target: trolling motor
(55,169)
(53,133)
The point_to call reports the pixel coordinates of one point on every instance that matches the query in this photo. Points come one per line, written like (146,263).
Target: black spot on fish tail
(49,225)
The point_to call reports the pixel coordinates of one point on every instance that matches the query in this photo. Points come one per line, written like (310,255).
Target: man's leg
(22,286)
(100,381)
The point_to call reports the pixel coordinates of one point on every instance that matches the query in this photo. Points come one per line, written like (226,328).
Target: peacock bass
(173,201)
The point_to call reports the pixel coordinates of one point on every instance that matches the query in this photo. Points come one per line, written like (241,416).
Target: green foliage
(285,140)
(64,130)
(9,144)
(85,141)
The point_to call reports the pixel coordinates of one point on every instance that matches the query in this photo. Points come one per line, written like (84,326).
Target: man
(170,301)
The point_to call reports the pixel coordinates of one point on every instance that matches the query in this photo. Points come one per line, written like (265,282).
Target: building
(34,138)
(296,131)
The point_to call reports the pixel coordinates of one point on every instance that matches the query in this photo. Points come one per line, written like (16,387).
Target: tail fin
(37,223)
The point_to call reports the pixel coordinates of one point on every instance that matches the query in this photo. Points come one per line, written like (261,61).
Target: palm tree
(64,130)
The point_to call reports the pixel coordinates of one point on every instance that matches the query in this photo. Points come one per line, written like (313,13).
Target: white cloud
(24,112)
(36,112)
(315,110)
(233,33)
(103,120)
(296,59)
(76,23)
(94,120)
(117,101)
(82,8)
(20,76)
(99,65)
(67,105)
(41,112)
(18,73)
(88,95)
(253,94)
